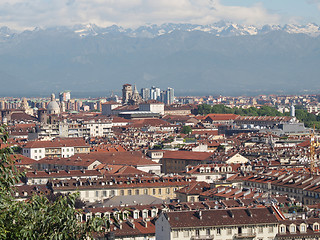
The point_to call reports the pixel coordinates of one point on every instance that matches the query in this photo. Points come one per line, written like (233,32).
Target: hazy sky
(22,14)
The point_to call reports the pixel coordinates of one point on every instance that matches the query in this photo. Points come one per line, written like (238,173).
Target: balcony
(245,235)
(202,237)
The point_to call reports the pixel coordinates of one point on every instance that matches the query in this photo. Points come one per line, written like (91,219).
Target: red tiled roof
(58,142)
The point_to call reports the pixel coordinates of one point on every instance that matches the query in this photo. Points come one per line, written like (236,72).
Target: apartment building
(222,224)
(61,148)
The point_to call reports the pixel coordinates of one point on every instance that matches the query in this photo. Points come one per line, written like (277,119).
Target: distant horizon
(88,24)
(107,94)
(19,15)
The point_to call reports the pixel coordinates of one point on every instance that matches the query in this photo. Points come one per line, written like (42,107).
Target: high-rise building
(145,93)
(64,96)
(169,96)
(155,93)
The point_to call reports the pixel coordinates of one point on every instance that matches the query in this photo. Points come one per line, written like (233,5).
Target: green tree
(37,218)
(186,130)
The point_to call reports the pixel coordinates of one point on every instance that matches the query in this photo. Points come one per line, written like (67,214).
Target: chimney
(199,214)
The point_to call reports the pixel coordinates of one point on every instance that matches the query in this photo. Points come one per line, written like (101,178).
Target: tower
(126,93)
(135,97)
(42,115)
(292,111)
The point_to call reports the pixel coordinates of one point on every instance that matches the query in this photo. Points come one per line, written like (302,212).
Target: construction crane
(313,145)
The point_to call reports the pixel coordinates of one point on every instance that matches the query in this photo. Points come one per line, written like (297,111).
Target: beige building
(223,224)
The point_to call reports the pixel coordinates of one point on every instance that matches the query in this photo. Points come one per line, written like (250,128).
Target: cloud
(21,14)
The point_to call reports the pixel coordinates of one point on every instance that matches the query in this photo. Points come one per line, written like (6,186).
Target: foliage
(37,217)
(302,115)
(252,111)
(186,130)
(157,146)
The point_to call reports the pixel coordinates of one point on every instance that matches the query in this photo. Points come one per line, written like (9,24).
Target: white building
(152,106)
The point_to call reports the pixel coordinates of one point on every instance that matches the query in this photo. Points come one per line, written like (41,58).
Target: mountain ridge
(51,60)
(222,28)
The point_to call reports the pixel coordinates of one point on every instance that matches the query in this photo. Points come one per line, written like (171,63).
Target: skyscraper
(64,96)
(145,93)
(155,93)
(169,96)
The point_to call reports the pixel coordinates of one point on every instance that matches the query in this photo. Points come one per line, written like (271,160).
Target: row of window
(154,191)
(217,231)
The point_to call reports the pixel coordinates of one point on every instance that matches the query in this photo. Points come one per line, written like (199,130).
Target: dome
(53,106)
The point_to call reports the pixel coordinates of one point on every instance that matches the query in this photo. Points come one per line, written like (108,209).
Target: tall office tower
(162,96)
(145,93)
(155,93)
(169,96)
(64,96)
(126,93)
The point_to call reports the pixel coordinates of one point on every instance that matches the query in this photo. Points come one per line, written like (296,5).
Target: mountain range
(222,58)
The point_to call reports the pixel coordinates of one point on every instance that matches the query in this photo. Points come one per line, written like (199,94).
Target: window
(159,191)
(146,191)
(113,193)
(40,151)
(97,194)
(35,151)
(137,191)
(218,231)
(121,192)
(104,193)
(282,229)
(208,232)
(129,192)
(229,231)
(186,233)
(302,228)
(270,229)
(154,191)
(292,228)
(145,214)
(260,229)
(175,234)
(168,190)
(315,227)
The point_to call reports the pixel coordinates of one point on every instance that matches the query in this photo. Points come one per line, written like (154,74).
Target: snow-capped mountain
(222,29)
(218,58)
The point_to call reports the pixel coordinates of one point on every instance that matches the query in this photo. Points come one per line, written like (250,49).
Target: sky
(23,14)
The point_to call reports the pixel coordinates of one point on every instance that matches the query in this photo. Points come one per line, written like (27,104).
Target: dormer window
(303,227)
(292,228)
(282,229)
(316,227)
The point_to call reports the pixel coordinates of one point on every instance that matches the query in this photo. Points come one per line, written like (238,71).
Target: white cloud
(20,14)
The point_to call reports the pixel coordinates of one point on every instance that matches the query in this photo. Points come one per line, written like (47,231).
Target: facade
(155,93)
(145,94)
(108,107)
(152,106)
(102,189)
(58,148)
(169,96)
(222,224)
